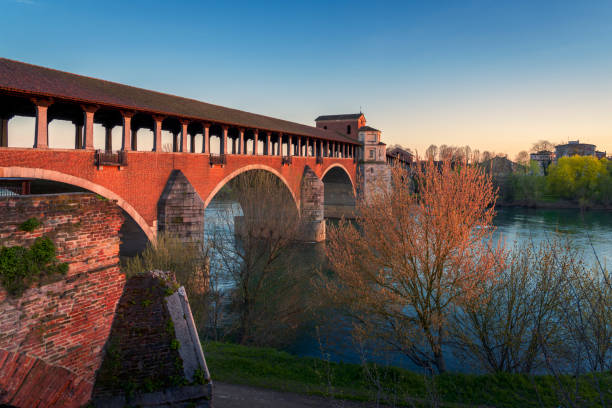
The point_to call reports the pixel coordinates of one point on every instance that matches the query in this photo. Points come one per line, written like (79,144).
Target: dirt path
(238,396)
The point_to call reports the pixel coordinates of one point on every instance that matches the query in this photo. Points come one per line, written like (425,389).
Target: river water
(590,231)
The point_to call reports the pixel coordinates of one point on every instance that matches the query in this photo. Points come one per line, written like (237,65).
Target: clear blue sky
(494,76)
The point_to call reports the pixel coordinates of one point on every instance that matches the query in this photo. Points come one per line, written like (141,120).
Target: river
(589,231)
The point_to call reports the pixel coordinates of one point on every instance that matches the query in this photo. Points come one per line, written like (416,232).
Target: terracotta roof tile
(40,81)
(345,116)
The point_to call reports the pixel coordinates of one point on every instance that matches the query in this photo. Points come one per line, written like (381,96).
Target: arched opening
(233,141)
(133,238)
(107,129)
(171,135)
(65,126)
(195,139)
(339,195)
(143,135)
(249,142)
(261,143)
(17,122)
(215,139)
(50,181)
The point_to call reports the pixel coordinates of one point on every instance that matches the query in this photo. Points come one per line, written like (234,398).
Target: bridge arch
(348,174)
(244,169)
(38,173)
(339,192)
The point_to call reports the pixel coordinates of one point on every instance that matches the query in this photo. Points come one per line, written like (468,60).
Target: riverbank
(278,370)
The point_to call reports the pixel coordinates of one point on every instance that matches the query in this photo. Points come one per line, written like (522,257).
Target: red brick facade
(51,337)
(138,186)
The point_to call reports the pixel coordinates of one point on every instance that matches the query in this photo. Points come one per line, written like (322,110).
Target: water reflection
(590,232)
(330,337)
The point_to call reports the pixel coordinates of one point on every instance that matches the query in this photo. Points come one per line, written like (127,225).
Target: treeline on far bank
(578,181)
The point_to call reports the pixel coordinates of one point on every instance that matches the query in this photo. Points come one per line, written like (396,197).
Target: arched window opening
(108,129)
(261,144)
(171,135)
(216,139)
(348,129)
(233,140)
(143,136)
(17,122)
(65,126)
(195,138)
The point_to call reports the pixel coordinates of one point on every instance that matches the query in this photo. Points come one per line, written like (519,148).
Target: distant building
(346,124)
(371,156)
(498,166)
(544,158)
(398,155)
(373,167)
(574,148)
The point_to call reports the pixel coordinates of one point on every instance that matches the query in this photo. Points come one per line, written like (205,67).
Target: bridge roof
(33,80)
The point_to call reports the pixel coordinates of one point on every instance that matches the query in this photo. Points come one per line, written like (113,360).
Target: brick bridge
(63,127)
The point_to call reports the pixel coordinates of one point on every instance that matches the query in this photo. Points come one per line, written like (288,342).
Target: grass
(274,369)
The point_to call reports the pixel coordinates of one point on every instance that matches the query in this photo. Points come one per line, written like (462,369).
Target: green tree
(582,178)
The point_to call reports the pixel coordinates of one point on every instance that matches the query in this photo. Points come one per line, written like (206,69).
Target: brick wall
(139,352)
(141,183)
(60,327)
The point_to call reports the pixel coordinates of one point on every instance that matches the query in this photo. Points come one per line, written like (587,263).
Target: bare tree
(542,145)
(486,156)
(446,153)
(475,158)
(411,257)
(501,329)
(432,152)
(522,158)
(252,249)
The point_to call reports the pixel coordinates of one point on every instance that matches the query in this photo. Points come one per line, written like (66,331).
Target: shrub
(30,225)
(20,267)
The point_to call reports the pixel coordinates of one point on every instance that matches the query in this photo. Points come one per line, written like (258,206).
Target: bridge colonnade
(102,124)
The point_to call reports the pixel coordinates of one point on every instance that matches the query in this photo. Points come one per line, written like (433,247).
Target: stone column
(127,128)
(108,139)
(224,140)
(242,146)
(184,124)
(280,144)
(268,144)
(290,147)
(89,118)
(312,223)
(41,138)
(175,146)
(78,134)
(4,131)
(134,139)
(255,142)
(157,125)
(206,142)
(299,146)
